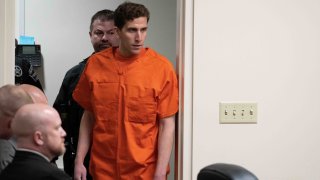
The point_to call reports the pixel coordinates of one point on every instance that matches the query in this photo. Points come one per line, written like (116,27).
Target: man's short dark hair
(103,15)
(129,11)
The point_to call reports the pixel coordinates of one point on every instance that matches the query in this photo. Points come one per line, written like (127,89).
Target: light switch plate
(238,112)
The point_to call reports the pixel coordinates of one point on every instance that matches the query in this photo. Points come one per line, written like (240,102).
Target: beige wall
(7,29)
(263,51)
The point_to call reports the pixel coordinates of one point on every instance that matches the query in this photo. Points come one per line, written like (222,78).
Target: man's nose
(105,37)
(138,36)
(63,133)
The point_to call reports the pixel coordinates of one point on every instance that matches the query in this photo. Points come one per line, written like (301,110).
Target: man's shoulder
(157,57)
(99,58)
(77,69)
(103,54)
(6,144)
(26,162)
(6,148)
(7,151)
(151,52)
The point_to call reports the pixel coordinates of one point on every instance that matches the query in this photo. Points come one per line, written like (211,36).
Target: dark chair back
(222,171)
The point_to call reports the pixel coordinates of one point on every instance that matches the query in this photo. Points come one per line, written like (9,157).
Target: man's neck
(125,56)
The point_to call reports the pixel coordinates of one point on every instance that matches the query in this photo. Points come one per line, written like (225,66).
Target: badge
(18,71)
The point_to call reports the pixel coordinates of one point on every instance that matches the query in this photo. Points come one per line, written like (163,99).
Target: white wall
(263,51)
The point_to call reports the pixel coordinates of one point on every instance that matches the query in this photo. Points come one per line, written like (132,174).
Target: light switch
(238,112)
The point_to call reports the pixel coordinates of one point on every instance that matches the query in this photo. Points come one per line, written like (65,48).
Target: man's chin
(136,51)
(62,151)
(103,47)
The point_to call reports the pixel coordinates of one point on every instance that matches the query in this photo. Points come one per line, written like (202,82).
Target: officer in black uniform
(70,112)
(102,36)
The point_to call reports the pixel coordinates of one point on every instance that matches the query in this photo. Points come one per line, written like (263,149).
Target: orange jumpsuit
(128,96)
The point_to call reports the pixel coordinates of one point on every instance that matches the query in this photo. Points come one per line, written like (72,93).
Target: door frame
(7,31)
(184,133)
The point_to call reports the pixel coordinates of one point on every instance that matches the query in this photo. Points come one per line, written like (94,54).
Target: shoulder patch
(18,71)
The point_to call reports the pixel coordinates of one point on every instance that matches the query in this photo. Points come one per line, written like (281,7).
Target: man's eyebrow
(111,29)
(58,126)
(132,28)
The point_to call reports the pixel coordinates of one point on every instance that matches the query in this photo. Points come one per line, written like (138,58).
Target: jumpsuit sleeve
(169,97)
(82,92)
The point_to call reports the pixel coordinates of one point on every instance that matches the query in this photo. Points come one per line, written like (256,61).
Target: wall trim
(184,131)
(7,31)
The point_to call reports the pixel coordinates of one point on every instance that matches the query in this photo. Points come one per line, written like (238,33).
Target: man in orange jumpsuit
(130,97)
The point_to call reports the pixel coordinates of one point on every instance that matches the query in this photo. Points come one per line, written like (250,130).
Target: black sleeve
(64,101)
(62,96)
(69,83)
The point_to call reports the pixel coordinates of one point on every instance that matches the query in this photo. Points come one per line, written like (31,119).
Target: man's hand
(84,142)
(80,172)
(160,177)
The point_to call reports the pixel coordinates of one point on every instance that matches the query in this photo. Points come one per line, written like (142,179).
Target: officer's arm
(165,141)
(84,143)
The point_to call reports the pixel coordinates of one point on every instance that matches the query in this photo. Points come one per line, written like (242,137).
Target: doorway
(65,41)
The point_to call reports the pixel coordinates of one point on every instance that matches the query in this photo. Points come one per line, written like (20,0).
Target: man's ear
(38,138)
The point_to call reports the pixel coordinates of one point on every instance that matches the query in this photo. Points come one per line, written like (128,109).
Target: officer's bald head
(11,99)
(38,127)
(28,119)
(36,94)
